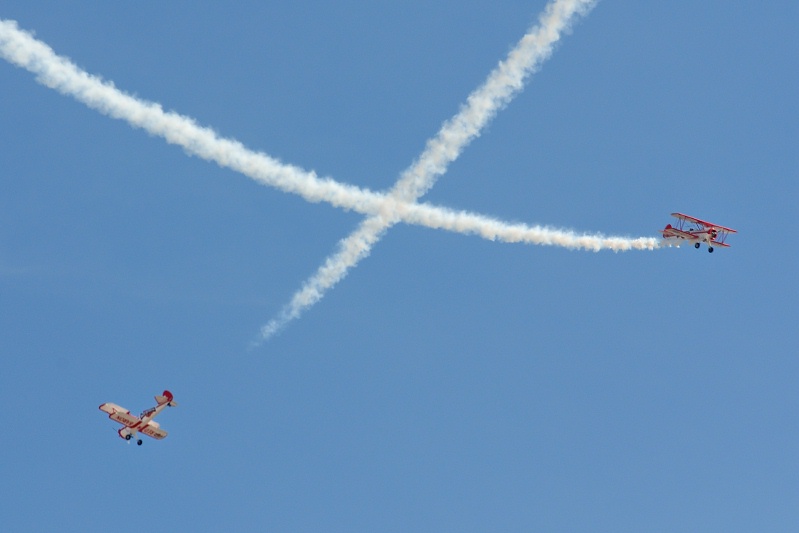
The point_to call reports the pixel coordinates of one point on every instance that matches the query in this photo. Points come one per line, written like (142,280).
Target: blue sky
(448,383)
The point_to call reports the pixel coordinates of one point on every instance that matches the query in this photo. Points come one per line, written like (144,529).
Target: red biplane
(697,231)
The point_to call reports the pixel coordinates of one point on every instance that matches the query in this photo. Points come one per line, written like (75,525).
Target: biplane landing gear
(710,249)
(138,442)
(127,437)
(696,246)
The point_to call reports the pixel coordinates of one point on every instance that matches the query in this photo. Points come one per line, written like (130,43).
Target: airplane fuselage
(144,420)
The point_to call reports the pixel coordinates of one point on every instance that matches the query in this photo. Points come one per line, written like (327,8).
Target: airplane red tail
(166,397)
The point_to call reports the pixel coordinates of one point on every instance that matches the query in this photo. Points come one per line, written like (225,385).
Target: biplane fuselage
(697,231)
(144,423)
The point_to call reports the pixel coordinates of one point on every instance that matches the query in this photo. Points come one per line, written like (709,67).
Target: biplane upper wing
(124,418)
(704,223)
(152,430)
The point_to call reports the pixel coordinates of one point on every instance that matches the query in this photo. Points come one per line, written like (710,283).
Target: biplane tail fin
(166,397)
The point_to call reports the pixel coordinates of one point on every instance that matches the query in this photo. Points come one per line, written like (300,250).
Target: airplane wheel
(138,442)
(696,246)
(710,249)
(127,437)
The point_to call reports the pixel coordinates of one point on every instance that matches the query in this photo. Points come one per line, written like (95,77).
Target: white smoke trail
(504,82)
(497,230)
(22,49)
(357,246)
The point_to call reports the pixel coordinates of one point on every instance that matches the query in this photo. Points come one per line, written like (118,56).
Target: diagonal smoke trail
(504,82)
(357,246)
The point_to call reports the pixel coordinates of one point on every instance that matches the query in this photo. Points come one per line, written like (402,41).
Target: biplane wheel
(710,249)
(127,437)
(696,246)
(138,442)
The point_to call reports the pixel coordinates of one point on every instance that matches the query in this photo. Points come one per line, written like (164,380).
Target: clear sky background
(448,383)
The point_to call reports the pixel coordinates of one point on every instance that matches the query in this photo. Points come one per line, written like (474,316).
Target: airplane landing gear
(710,249)
(696,246)
(127,437)
(138,442)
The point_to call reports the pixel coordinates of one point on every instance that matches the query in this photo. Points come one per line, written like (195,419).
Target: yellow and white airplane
(143,423)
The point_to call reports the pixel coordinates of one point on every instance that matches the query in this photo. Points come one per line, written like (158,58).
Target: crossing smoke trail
(504,82)
(22,49)
(358,244)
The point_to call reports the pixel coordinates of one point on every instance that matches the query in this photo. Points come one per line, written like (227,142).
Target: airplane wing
(689,218)
(119,414)
(112,407)
(125,418)
(153,431)
(704,223)
(674,232)
(722,228)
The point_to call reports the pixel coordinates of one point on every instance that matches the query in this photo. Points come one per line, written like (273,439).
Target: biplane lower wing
(151,431)
(674,232)
(119,414)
